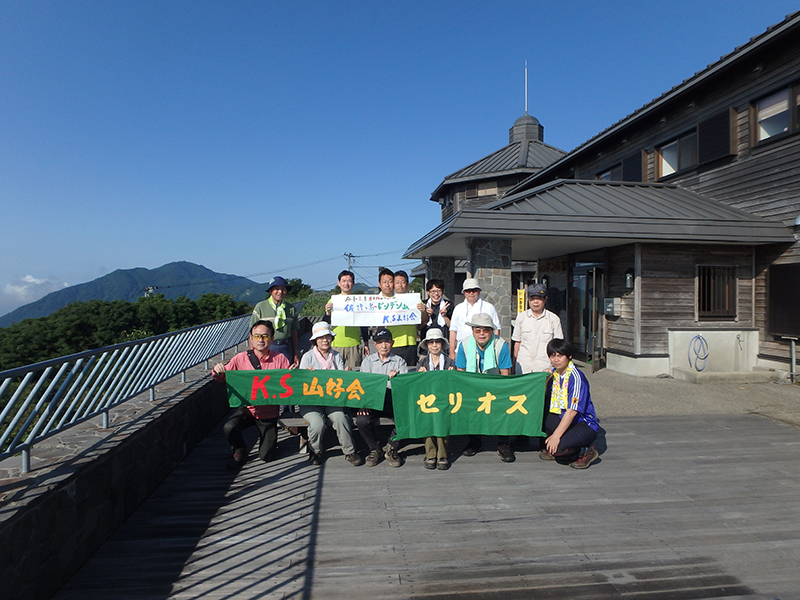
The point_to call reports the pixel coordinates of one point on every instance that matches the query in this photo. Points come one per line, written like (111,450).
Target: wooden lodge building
(669,241)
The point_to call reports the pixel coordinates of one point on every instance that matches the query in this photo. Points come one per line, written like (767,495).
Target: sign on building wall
(521,300)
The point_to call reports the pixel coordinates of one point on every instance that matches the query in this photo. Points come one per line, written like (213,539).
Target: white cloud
(23,290)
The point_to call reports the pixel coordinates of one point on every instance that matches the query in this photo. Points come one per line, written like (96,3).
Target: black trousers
(407,353)
(368,424)
(577,436)
(243,419)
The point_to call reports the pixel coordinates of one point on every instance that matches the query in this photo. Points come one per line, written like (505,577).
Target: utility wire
(234,277)
(301,266)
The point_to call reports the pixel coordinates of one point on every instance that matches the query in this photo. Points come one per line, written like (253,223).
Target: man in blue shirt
(484,352)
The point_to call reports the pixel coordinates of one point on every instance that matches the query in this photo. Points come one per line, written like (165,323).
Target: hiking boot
(430,463)
(392,456)
(238,460)
(373,458)
(588,458)
(546,455)
(506,453)
(472,448)
(354,459)
(443,464)
(314,458)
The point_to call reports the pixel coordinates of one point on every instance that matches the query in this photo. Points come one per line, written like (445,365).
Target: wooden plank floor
(678,507)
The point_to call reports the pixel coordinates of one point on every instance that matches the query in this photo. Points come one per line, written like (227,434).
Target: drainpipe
(470,258)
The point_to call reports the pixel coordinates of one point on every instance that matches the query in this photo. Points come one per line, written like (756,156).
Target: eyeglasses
(262,336)
(475,291)
(434,342)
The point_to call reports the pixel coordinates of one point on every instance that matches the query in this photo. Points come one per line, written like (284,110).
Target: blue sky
(256,138)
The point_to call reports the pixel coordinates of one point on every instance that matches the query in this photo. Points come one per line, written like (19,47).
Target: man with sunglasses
(260,357)
(485,352)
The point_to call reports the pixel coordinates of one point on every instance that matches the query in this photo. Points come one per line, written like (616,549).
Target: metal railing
(41,400)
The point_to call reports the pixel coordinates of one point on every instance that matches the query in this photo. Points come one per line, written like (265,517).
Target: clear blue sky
(252,137)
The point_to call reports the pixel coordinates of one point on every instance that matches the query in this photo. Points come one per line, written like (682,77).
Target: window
(716,292)
(678,155)
(784,287)
(777,114)
(487,189)
(613,174)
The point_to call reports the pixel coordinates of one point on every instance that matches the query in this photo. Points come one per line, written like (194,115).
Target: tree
(84,326)
(299,291)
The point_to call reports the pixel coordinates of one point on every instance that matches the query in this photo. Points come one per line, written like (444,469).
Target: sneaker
(392,456)
(354,459)
(430,463)
(443,464)
(546,455)
(588,458)
(373,458)
(238,460)
(506,453)
(472,449)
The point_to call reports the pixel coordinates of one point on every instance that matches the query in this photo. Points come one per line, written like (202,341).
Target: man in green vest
(283,316)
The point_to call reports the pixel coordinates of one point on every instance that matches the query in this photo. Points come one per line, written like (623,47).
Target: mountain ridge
(180,278)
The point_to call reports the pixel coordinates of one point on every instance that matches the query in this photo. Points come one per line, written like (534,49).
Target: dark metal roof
(517,156)
(739,53)
(524,156)
(566,216)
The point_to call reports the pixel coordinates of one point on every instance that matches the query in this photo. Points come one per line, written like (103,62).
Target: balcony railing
(41,400)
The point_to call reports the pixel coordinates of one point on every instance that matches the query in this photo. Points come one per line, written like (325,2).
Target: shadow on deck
(678,507)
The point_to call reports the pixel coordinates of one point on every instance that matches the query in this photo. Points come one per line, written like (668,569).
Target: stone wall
(444,268)
(51,521)
(492,259)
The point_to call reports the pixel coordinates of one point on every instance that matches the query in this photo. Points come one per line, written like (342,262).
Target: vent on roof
(526,128)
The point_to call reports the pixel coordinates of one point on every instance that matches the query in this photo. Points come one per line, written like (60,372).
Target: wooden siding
(770,345)
(776,66)
(761,179)
(668,289)
(621,330)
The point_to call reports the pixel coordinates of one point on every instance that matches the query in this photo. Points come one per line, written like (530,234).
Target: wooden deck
(678,507)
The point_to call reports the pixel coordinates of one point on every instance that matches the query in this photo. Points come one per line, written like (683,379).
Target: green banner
(306,388)
(443,403)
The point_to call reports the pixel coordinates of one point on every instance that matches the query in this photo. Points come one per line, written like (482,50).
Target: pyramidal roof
(526,152)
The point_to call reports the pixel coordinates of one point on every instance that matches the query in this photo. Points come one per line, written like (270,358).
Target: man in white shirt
(533,330)
(463,313)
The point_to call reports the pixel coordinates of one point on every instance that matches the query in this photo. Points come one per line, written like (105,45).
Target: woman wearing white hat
(323,357)
(436,360)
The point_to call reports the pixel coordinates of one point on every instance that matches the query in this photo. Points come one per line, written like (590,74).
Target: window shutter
(715,140)
(632,167)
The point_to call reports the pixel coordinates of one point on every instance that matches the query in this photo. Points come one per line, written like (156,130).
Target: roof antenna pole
(526,87)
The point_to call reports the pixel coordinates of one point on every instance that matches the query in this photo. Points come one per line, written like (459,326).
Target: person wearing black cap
(533,330)
(386,363)
(283,316)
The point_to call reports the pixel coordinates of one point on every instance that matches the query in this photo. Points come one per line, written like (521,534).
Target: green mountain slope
(172,280)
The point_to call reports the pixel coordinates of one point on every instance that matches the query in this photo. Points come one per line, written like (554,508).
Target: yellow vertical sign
(521,301)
